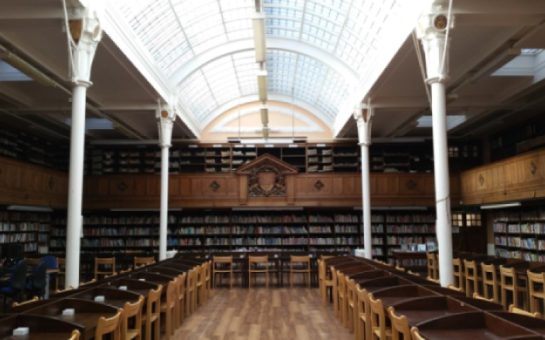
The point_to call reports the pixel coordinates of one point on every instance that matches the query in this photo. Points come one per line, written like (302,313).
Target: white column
(432,31)
(363,118)
(165,123)
(83,47)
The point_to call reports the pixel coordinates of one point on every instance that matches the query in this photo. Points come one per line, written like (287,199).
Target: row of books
(15,238)
(18,216)
(411,218)
(398,240)
(411,228)
(519,228)
(23,227)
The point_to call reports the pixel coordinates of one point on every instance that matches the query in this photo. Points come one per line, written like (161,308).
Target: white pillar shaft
(75,187)
(366,201)
(163,227)
(442,190)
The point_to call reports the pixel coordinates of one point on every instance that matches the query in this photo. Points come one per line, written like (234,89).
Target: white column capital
(432,30)
(85,34)
(364,118)
(165,122)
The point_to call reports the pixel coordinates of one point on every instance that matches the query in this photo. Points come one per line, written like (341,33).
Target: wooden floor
(260,313)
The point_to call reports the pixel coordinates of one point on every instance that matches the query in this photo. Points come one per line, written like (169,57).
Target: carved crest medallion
(266,181)
(267,176)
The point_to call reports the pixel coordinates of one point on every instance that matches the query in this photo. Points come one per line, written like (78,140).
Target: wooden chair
(433,267)
(480,297)
(75,335)
(457,289)
(335,292)
(363,322)
(143,260)
(458,273)
(61,273)
(400,325)
(509,284)
(152,317)
(258,265)
(520,311)
(536,291)
(416,335)
(324,282)
(207,279)
(300,265)
(104,266)
(378,319)
(490,282)
(190,291)
(26,302)
(351,303)
(87,283)
(471,277)
(201,284)
(180,309)
(341,296)
(168,309)
(132,311)
(222,265)
(109,326)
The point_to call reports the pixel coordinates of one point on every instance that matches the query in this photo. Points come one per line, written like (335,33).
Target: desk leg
(47,279)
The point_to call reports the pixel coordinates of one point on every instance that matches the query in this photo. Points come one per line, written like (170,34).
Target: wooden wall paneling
(23,183)
(516,178)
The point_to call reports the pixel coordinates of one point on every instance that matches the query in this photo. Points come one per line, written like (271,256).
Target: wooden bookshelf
(520,234)
(31,229)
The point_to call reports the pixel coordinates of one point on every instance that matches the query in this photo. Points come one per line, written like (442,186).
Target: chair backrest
(480,297)
(378,319)
(490,281)
(252,259)
(508,282)
(75,335)
(536,289)
(50,261)
(341,287)
(132,310)
(300,259)
(520,311)
(181,286)
(18,276)
(153,303)
(38,276)
(100,266)
(363,308)
(350,291)
(172,293)
(416,335)
(108,326)
(143,260)
(26,302)
(471,277)
(433,267)
(400,325)
(458,271)
(88,283)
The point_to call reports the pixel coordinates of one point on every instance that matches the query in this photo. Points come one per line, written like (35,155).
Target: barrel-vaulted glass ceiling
(325,54)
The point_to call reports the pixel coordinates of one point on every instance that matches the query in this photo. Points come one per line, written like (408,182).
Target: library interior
(272,169)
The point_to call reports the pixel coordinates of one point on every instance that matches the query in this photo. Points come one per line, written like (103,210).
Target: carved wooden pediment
(266,176)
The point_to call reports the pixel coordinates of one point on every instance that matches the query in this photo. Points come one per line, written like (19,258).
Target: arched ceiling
(324,53)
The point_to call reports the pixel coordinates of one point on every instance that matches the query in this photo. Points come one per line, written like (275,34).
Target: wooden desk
(40,327)
(86,314)
(430,307)
(473,325)
(112,296)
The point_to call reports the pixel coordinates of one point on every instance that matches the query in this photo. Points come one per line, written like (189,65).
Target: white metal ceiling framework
(204,49)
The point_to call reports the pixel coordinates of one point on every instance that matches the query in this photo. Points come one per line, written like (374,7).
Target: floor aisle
(260,313)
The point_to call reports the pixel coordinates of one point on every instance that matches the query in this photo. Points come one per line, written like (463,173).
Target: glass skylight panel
(222,79)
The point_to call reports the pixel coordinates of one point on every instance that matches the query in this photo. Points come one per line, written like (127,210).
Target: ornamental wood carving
(267,176)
